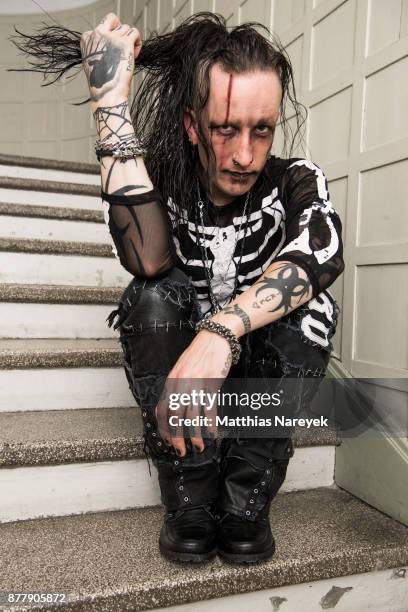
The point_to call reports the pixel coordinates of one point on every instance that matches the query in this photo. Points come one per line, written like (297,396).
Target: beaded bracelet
(122,150)
(225,333)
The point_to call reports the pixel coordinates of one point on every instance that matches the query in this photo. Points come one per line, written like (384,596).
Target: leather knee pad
(156,320)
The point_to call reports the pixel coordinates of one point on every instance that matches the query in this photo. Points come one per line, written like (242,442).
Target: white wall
(41,121)
(23,7)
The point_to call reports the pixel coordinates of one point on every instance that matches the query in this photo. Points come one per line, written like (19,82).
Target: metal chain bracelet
(125,149)
(226,333)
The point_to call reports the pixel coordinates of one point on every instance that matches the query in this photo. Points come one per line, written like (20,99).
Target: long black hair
(176,68)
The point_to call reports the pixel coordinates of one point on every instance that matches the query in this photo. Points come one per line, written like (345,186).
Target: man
(220,235)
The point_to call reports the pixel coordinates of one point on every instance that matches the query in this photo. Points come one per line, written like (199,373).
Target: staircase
(79,512)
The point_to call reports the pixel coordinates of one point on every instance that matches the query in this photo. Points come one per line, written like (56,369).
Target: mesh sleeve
(140,232)
(313,227)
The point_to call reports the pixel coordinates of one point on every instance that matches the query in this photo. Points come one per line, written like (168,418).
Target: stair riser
(53,229)
(19,320)
(57,389)
(38,268)
(31,492)
(45,198)
(43,174)
(382,591)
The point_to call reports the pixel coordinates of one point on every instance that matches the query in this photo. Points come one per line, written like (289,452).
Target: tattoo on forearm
(227,365)
(289,285)
(237,310)
(112,123)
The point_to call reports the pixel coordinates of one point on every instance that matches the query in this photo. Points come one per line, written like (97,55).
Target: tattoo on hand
(289,284)
(237,310)
(100,59)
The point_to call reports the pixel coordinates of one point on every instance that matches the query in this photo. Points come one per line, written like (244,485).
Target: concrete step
(38,438)
(78,173)
(59,294)
(60,388)
(50,186)
(56,311)
(49,164)
(49,198)
(59,373)
(61,462)
(50,212)
(25,172)
(110,560)
(60,263)
(55,321)
(59,353)
(54,247)
(59,230)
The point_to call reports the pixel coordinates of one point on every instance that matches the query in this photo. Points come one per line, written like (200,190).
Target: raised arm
(133,208)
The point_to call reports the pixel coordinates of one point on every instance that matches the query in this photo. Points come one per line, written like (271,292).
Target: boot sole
(246,558)
(185,557)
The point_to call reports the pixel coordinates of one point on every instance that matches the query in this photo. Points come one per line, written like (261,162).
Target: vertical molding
(404,19)
(353,190)
(307,67)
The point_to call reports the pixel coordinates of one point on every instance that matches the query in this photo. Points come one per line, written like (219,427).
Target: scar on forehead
(228,99)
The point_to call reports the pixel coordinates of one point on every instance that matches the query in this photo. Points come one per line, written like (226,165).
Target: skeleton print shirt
(291,218)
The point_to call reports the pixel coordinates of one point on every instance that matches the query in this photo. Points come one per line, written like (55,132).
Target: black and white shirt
(291,218)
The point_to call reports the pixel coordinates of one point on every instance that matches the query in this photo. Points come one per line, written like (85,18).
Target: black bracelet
(226,333)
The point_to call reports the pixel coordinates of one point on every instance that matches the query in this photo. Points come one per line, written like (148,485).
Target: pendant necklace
(215,305)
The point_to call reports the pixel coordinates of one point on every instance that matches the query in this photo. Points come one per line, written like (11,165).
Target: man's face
(239,122)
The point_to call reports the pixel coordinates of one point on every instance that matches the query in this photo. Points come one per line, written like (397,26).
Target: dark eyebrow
(267,122)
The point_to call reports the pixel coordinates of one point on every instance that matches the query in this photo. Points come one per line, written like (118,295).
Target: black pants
(156,318)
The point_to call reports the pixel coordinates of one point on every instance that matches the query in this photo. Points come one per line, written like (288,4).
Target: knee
(169,298)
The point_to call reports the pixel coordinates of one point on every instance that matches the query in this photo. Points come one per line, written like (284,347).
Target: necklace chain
(215,305)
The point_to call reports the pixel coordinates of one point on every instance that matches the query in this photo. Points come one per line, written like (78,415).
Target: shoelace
(200,518)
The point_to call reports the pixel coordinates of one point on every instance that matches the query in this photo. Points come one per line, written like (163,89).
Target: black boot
(252,472)
(156,319)
(189,488)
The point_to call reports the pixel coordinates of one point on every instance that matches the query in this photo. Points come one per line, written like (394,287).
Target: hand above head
(108,58)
